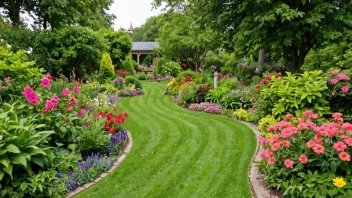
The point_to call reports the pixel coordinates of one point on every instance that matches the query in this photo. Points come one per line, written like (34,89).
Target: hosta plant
(306,158)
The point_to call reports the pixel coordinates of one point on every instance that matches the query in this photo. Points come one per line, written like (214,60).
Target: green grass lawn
(178,153)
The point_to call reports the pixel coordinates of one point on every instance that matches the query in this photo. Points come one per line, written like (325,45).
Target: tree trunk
(14,12)
(260,60)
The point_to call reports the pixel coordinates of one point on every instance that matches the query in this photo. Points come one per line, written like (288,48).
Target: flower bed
(130,93)
(206,108)
(306,157)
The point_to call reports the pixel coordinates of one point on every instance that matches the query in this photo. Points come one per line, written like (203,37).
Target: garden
(266,86)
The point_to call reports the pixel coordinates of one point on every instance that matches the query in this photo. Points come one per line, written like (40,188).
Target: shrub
(127,65)
(172,88)
(308,158)
(171,68)
(140,76)
(206,108)
(295,94)
(187,93)
(241,114)
(17,66)
(106,67)
(94,139)
(192,75)
(149,77)
(253,117)
(264,123)
(130,80)
(227,112)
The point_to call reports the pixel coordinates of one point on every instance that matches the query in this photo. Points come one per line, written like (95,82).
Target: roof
(144,46)
(131,28)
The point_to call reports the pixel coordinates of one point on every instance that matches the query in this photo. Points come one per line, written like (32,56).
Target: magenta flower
(66,92)
(45,82)
(55,99)
(30,95)
(7,80)
(344,89)
(49,105)
(334,81)
(73,101)
(80,112)
(69,108)
(77,90)
(343,77)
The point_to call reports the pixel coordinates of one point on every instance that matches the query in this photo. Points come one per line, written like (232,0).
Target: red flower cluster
(113,122)
(183,65)
(122,72)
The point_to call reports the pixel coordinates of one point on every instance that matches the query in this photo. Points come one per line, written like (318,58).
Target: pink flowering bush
(303,156)
(206,107)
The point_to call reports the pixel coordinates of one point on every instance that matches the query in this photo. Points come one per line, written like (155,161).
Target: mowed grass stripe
(179,153)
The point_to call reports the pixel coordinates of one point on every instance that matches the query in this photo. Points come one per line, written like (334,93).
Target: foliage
(119,43)
(241,114)
(130,92)
(69,50)
(130,80)
(171,68)
(64,160)
(297,25)
(140,76)
(106,67)
(19,38)
(149,31)
(309,158)
(253,117)
(187,75)
(172,88)
(295,94)
(264,124)
(17,66)
(149,77)
(227,112)
(94,139)
(127,65)
(188,93)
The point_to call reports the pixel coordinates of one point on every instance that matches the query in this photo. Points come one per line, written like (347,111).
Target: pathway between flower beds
(179,153)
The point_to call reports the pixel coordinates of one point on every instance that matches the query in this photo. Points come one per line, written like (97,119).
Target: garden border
(118,161)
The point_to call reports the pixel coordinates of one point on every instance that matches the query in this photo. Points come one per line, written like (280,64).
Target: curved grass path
(178,153)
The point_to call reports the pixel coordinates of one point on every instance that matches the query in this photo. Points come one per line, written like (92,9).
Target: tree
(182,40)
(294,27)
(149,31)
(13,8)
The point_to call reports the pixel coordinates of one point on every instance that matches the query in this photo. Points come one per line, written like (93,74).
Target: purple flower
(59,175)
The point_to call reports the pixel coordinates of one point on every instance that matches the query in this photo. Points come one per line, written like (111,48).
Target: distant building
(139,48)
(131,29)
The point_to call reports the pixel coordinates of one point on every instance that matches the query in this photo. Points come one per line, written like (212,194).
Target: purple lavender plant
(112,98)
(118,139)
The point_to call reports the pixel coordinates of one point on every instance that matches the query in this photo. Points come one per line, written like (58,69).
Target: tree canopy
(293,27)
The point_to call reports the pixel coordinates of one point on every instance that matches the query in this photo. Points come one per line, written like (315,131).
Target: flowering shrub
(306,158)
(122,72)
(171,69)
(119,83)
(206,107)
(172,88)
(130,93)
(241,114)
(266,122)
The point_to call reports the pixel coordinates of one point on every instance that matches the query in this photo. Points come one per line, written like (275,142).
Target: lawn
(179,153)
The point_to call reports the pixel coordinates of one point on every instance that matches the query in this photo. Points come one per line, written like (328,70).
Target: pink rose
(343,77)
(66,92)
(77,90)
(80,112)
(344,89)
(7,80)
(334,81)
(73,101)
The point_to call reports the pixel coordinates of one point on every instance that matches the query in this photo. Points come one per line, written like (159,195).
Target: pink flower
(77,90)
(318,149)
(311,144)
(344,156)
(263,81)
(275,146)
(86,124)
(337,116)
(265,154)
(69,108)
(343,77)
(73,101)
(285,143)
(334,81)
(318,138)
(268,77)
(55,99)
(271,160)
(49,105)
(7,80)
(347,127)
(262,140)
(45,82)
(278,75)
(340,146)
(288,116)
(303,159)
(344,89)
(302,126)
(80,112)
(30,95)
(65,92)
(288,163)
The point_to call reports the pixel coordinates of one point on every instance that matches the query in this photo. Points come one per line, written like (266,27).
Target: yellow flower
(339,182)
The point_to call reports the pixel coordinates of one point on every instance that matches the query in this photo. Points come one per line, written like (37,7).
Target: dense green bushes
(106,67)
(130,80)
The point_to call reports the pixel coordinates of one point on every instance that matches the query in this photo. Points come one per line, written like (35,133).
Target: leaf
(8,170)
(333,166)
(5,161)
(1,175)
(24,186)
(12,149)
(20,159)
(3,115)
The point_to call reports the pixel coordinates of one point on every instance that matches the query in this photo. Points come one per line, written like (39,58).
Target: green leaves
(12,149)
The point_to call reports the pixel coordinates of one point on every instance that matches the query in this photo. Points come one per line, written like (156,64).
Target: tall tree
(294,27)
(149,31)
(13,9)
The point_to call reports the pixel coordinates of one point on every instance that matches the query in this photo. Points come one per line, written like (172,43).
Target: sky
(135,11)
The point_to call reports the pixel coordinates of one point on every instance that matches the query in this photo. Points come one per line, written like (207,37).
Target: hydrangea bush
(307,158)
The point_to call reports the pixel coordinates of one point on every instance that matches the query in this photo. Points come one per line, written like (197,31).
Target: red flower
(125,115)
